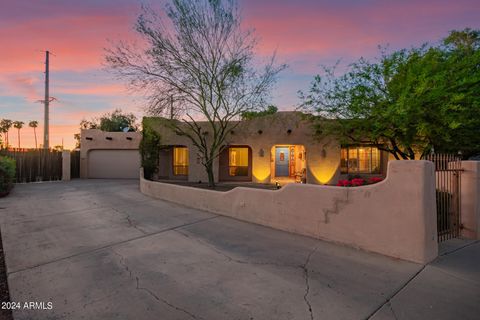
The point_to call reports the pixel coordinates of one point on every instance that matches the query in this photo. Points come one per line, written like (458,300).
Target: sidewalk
(447,288)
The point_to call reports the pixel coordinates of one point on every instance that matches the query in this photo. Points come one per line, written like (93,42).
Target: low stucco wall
(396,217)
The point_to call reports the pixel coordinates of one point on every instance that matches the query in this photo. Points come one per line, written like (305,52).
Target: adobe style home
(275,148)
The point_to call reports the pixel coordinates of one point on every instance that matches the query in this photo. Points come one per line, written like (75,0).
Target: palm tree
(18,125)
(34,124)
(6,124)
(3,133)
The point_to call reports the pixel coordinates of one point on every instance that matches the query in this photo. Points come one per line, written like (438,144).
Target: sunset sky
(305,34)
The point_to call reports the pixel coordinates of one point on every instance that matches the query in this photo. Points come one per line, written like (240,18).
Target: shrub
(149,149)
(7,174)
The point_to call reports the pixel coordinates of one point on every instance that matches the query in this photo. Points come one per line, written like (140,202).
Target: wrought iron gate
(75,164)
(448,172)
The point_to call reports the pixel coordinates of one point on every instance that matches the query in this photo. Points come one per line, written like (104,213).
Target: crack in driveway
(122,262)
(129,220)
(307,284)
(110,245)
(151,293)
(304,266)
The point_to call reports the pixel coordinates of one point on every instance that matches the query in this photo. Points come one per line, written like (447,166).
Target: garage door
(119,164)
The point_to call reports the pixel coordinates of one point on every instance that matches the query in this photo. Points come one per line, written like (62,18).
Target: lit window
(180,161)
(238,161)
(360,159)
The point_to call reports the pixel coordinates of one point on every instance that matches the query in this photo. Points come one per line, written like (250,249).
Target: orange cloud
(58,134)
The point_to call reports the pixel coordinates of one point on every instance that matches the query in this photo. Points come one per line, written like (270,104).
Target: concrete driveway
(99,249)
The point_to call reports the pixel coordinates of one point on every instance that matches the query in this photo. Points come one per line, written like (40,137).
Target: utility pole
(47,102)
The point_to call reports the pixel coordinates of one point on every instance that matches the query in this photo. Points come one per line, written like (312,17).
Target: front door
(282,161)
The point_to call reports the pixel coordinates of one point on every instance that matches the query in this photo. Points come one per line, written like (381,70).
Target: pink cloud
(89,89)
(76,42)
(21,85)
(355,29)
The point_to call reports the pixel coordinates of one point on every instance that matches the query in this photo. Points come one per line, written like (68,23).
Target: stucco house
(275,148)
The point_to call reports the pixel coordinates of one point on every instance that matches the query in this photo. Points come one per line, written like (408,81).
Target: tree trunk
(209,168)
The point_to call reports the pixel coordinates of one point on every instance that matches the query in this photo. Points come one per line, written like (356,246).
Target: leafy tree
(34,124)
(248,115)
(199,62)
(116,121)
(18,125)
(407,102)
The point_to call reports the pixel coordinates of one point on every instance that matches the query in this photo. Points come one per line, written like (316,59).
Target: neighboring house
(275,148)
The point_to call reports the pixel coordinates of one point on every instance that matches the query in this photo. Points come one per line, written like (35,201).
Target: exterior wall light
(289,131)
(259,131)
(323,153)
(261,153)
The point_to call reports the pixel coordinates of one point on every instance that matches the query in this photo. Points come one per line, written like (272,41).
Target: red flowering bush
(344,183)
(374,180)
(356,182)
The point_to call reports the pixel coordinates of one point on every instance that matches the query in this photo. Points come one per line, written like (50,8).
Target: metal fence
(35,164)
(448,173)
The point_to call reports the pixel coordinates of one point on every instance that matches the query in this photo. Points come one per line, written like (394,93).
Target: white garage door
(119,164)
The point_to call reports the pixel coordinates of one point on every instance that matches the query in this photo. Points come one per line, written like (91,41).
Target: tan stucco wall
(99,141)
(470,199)
(396,217)
(66,165)
(322,167)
